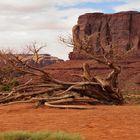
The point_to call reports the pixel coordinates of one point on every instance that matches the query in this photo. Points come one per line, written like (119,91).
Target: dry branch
(53,91)
(68,106)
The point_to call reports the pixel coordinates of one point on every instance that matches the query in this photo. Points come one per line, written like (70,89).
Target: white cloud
(23,21)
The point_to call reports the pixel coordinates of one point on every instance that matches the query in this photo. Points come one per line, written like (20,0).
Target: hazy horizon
(43,21)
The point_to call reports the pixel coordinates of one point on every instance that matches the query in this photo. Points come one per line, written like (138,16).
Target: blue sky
(25,21)
(106,7)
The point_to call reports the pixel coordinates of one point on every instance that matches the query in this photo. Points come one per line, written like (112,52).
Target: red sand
(100,123)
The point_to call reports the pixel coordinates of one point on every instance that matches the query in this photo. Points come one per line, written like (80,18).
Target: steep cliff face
(120,29)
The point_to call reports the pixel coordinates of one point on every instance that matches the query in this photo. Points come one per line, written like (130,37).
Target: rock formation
(120,29)
(44,60)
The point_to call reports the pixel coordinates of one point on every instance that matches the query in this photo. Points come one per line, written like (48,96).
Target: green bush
(8,86)
(5,87)
(21,135)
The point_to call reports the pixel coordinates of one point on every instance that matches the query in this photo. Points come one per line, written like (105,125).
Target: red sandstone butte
(120,29)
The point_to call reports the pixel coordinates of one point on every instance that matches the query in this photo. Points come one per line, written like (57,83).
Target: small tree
(35,49)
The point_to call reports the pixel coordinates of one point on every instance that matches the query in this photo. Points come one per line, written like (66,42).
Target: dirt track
(101,123)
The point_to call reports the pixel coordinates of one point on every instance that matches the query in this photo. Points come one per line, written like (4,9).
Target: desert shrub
(7,86)
(21,135)
(7,78)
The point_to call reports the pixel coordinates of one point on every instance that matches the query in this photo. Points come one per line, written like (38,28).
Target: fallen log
(69,106)
(52,91)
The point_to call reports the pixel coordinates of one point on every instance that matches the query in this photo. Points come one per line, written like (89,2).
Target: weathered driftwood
(53,91)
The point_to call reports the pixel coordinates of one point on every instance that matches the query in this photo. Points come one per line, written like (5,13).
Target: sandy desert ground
(99,123)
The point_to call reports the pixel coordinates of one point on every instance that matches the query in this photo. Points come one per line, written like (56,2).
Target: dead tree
(55,93)
(34,48)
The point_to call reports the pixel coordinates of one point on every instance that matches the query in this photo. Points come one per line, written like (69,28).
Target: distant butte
(44,60)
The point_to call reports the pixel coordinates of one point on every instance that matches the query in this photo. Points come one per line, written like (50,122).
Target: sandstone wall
(120,29)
